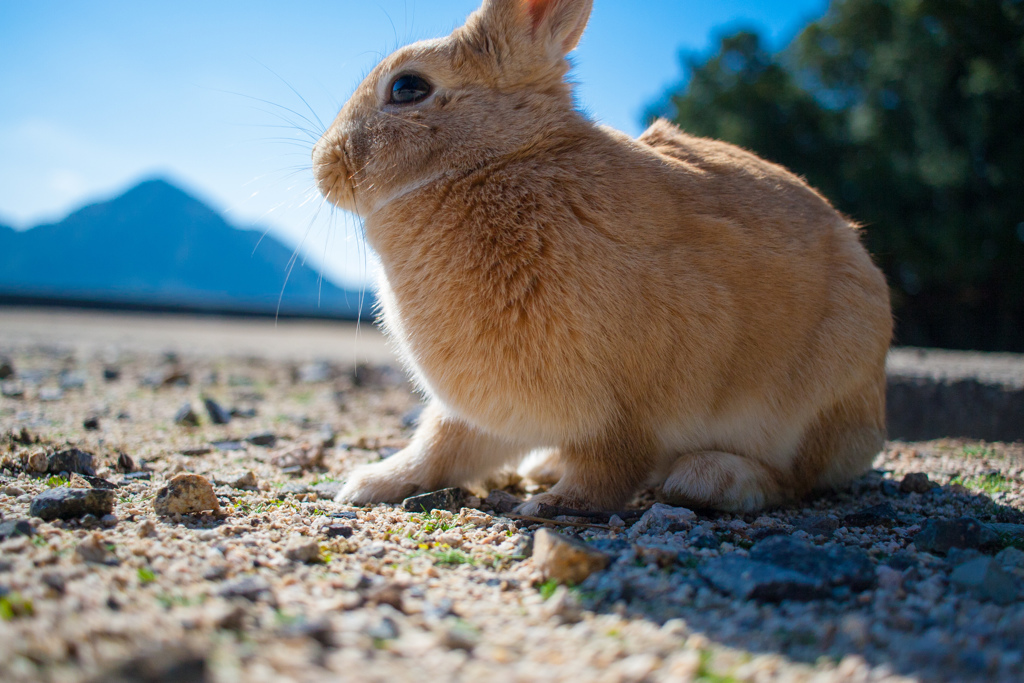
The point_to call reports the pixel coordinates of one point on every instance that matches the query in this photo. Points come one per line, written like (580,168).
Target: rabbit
(664,311)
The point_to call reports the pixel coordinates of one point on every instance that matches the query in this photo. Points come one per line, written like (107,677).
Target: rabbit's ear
(551,28)
(559,24)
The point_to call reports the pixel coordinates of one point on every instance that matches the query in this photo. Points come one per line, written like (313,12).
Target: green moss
(14,606)
(986,483)
(706,675)
(979,451)
(451,556)
(547,589)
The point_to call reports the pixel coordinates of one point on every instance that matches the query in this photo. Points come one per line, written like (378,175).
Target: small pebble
(303,550)
(566,559)
(94,550)
(218,415)
(502,502)
(916,482)
(450,499)
(186,494)
(186,416)
(661,519)
(12,528)
(336,530)
(67,503)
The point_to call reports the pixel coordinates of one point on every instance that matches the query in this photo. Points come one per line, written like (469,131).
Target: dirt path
(885,581)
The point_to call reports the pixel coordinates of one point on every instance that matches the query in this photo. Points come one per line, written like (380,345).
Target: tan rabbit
(666,310)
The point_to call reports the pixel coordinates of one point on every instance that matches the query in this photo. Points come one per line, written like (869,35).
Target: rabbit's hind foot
(721,481)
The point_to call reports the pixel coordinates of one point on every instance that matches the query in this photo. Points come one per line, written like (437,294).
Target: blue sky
(97,95)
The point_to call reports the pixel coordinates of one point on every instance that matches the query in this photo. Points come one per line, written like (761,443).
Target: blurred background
(156,155)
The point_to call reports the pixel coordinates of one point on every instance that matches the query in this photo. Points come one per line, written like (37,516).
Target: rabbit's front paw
(541,505)
(380,482)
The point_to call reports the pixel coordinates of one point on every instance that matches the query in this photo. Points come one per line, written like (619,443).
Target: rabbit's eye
(409,89)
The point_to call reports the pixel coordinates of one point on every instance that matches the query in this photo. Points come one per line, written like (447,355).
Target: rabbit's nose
(329,162)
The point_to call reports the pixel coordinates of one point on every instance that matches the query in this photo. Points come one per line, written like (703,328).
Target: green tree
(909,116)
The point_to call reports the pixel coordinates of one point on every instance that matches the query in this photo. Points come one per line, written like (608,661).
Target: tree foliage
(909,116)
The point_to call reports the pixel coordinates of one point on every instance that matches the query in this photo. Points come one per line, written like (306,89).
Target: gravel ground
(915,573)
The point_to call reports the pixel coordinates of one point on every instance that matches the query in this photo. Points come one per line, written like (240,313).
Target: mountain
(156,246)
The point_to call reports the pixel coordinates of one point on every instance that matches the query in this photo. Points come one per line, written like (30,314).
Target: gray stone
(450,499)
(303,550)
(85,481)
(327,490)
(292,489)
(819,526)
(748,579)
(902,560)
(663,519)
(316,629)
(94,550)
(835,566)
(384,628)
(958,556)
(166,377)
(986,580)
(320,371)
(229,445)
(71,380)
(240,480)
(266,439)
(16,527)
(252,588)
(502,502)
(169,663)
(1011,557)
(412,418)
(49,394)
(876,515)
(125,463)
(186,417)
(916,482)
(12,389)
(71,460)
(376,550)
(337,530)
(459,636)
(703,538)
(940,535)
(68,503)
(218,415)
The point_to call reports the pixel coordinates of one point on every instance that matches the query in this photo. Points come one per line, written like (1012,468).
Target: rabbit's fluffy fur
(667,310)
